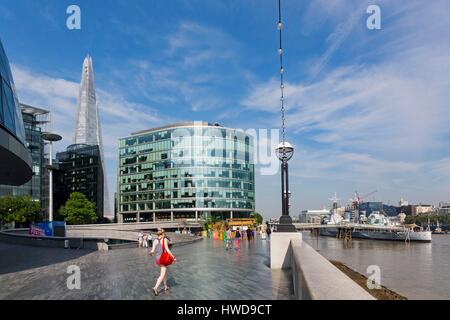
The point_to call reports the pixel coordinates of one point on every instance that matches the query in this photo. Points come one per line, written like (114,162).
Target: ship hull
(423,236)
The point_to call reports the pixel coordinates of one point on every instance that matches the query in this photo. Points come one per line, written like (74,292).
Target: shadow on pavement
(15,258)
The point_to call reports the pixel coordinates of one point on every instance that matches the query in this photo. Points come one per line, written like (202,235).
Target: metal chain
(280,54)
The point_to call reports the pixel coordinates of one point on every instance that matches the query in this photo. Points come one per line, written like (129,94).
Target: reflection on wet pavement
(204,270)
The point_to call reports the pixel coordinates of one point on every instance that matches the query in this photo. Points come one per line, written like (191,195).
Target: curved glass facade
(10,114)
(15,159)
(186,171)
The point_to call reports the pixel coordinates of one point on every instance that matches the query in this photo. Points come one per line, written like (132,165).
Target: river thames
(414,270)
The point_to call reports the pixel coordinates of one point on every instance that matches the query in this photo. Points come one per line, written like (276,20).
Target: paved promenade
(204,270)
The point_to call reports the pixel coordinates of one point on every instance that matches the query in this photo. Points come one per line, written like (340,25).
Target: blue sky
(367,109)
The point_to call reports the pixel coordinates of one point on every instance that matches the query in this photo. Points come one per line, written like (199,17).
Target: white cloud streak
(381,120)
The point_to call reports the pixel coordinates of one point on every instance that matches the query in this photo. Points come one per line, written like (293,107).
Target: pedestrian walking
(263,232)
(149,239)
(140,239)
(145,241)
(237,240)
(229,242)
(163,258)
(249,234)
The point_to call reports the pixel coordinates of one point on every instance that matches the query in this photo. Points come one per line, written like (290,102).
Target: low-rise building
(314,216)
(444,208)
(424,209)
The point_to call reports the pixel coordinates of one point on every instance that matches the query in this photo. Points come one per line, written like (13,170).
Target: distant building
(424,209)
(313,216)
(370,207)
(15,158)
(444,208)
(409,210)
(389,210)
(403,202)
(79,170)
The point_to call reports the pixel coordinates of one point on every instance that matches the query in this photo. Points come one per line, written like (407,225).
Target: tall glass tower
(87,130)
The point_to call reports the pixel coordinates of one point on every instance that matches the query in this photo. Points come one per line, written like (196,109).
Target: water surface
(414,270)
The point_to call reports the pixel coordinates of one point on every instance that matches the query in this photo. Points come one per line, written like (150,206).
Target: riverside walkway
(204,270)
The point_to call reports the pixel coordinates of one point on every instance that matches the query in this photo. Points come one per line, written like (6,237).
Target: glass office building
(15,159)
(33,119)
(79,170)
(185,171)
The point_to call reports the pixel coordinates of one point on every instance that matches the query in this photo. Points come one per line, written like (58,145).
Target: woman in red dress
(159,244)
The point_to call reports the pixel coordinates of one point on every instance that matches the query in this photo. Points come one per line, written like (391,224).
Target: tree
(78,210)
(423,219)
(20,209)
(258,217)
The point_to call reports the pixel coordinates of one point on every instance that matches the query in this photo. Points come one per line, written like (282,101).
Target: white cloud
(202,43)
(196,68)
(377,108)
(334,41)
(381,121)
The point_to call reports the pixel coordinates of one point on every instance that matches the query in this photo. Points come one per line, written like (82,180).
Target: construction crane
(358,199)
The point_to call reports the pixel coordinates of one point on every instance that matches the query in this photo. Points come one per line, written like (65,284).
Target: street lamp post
(50,137)
(284,152)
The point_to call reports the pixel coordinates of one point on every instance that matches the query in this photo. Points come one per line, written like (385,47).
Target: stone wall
(316,278)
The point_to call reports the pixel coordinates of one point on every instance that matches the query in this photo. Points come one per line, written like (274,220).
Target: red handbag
(166,259)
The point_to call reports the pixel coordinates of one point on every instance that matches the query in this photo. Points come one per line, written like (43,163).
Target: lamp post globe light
(50,138)
(284,152)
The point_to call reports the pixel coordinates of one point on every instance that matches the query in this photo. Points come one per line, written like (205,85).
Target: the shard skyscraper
(87,130)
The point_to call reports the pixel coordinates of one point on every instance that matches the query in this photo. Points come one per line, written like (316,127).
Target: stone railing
(313,276)
(87,238)
(136,226)
(98,233)
(101,233)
